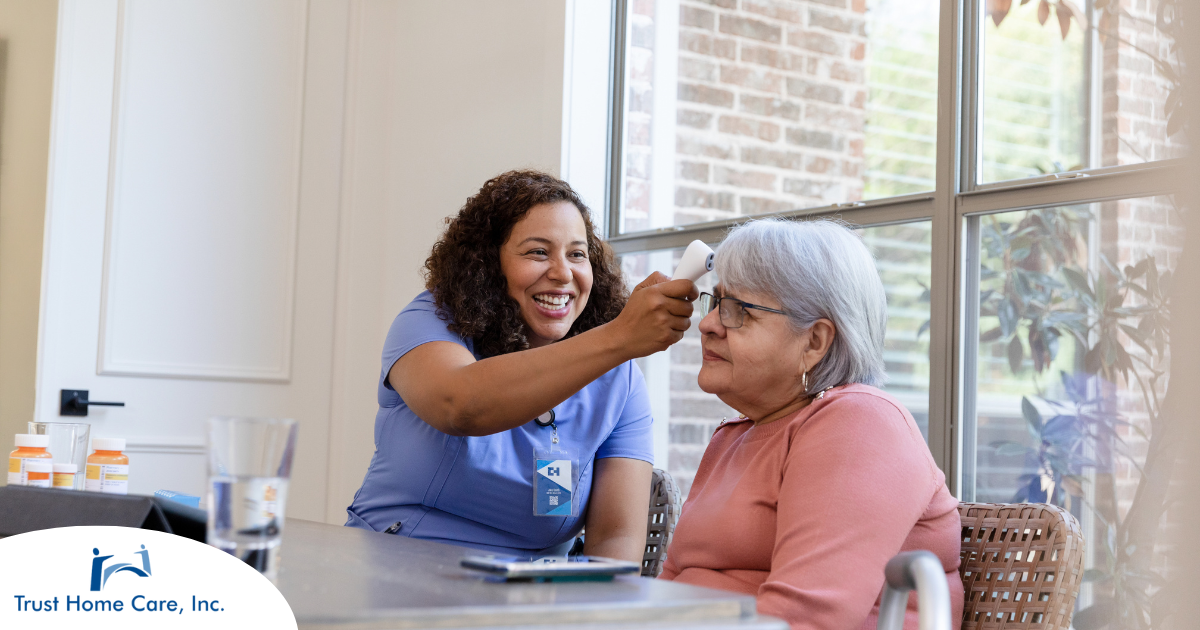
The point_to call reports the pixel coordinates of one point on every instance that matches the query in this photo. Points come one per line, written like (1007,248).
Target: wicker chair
(1021,566)
(664,513)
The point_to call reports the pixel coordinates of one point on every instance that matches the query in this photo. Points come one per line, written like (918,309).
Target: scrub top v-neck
(477,491)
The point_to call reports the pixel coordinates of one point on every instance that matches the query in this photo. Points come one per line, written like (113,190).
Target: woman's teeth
(552,302)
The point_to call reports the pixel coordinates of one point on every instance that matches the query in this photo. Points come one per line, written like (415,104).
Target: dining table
(344,578)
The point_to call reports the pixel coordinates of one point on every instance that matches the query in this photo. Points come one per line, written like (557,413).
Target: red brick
(758,205)
(786,11)
(705,44)
(767,106)
(705,94)
(748,127)
(858,51)
(815,138)
(752,78)
(856,147)
(852,73)
(693,118)
(815,41)
(858,6)
(754,29)
(835,22)
(693,171)
(637,195)
(841,118)
(641,65)
(687,144)
(698,18)
(772,56)
(697,68)
(744,179)
(770,157)
(695,198)
(859,100)
(810,188)
(814,91)
(638,133)
(637,163)
(819,164)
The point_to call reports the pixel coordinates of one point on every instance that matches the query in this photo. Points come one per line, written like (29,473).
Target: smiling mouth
(552,301)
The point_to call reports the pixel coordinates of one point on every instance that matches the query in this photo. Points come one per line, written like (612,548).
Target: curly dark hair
(463,270)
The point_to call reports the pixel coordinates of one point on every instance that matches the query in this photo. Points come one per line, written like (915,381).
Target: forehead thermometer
(697,260)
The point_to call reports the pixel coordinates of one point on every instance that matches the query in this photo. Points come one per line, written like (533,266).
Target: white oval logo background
(145,571)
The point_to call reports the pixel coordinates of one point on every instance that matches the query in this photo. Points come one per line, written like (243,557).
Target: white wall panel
(203,192)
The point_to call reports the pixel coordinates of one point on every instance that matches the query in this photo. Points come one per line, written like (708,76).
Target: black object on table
(25,509)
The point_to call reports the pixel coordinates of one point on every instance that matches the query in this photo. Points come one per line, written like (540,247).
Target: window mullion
(616,119)
(945,294)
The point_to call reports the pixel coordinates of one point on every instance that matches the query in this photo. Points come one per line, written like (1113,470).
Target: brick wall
(770,110)
(1134,91)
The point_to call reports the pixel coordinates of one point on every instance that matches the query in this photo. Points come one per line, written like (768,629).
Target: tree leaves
(999,9)
(1016,354)
(1043,12)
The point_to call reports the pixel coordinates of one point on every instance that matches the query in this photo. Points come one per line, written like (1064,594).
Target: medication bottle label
(64,480)
(16,470)
(39,483)
(107,478)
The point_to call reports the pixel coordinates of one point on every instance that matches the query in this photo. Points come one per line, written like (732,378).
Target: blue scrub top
(478,491)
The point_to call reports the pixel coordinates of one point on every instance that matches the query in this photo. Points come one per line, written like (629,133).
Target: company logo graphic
(101,573)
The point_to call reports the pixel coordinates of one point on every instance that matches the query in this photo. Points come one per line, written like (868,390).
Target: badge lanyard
(553,475)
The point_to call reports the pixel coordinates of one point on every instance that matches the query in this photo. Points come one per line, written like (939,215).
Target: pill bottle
(107,467)
(29,448)
(64,476)
(37,473)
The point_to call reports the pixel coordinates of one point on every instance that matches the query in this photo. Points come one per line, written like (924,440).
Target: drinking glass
(249,464)
(69,443)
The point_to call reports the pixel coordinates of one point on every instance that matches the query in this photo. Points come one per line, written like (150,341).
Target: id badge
(554,483)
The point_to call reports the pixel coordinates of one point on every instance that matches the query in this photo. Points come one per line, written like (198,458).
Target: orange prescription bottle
(29,448)
(107,467)
(64,476)
(37,473)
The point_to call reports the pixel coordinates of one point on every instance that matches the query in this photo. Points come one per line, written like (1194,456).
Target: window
(1067,88)
(1025,242)
(1071,368)
(740,109)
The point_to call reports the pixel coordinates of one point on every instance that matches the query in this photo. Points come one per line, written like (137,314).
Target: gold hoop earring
(804,381)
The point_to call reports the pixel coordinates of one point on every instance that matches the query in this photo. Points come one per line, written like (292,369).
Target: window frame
(953,207)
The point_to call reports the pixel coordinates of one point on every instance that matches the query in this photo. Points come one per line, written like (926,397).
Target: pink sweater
(804,512)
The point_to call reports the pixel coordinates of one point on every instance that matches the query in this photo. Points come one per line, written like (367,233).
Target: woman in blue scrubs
(523,343)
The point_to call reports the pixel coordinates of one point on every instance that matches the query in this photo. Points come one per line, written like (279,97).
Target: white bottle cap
(108,444)
(38,467)
(66,468)
(29,440)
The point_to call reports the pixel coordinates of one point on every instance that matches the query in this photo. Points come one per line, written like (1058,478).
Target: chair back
(1021,566)
(664,513)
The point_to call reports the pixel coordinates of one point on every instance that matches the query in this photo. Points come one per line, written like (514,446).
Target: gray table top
(347,578)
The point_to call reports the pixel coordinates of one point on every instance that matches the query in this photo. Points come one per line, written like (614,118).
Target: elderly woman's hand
(658,312)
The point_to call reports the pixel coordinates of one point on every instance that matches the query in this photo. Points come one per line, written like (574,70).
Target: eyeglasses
(733,310)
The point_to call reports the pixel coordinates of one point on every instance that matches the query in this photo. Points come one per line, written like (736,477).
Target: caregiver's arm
(446,387)
(617,509)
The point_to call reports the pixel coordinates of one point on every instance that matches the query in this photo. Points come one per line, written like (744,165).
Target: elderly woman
(803,498)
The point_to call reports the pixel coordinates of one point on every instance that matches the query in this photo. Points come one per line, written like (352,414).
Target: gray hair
(816,269)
